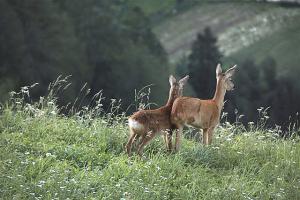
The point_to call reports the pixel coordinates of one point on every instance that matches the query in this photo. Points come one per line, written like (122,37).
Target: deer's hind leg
(169,139)
(145,140)
(131,139)
(136,140)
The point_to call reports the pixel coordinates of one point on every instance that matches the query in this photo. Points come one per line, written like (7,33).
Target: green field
(80,155)
(45,155)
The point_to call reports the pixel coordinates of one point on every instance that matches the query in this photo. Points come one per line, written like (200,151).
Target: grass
(45,155)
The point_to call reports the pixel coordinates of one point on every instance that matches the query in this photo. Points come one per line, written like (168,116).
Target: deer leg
(210,134)
(145,140)
(135,140)
(165,136)
(178,138)
(130,141)
(144,135)
(169,140)
(205,136)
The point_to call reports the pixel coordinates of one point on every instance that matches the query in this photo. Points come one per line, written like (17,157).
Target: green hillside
(243,29)
(77,151)
(281,45)
(49,156)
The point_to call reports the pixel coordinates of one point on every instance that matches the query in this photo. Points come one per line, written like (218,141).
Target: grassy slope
(51,156)
(243,29)
(281,45)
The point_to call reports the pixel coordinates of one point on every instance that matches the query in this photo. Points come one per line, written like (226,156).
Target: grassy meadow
(77,151)
(47,155)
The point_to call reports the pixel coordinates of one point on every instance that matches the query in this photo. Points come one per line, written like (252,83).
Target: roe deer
(204,114)
(147,123)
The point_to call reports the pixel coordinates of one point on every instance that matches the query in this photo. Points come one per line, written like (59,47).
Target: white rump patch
(135,125)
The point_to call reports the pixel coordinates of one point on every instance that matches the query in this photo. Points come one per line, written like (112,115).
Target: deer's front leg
(210,134)
(178,138)
(169,139)
(205,136)
(165,136)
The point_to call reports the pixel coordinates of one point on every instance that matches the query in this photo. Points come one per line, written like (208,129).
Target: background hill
(119,47)
(243,29)
(258,36)
(67,142)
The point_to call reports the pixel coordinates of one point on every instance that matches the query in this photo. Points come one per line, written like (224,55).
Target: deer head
(225,79)
(177,87)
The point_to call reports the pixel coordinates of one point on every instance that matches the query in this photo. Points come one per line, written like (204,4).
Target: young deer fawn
(199,113)
(147,123)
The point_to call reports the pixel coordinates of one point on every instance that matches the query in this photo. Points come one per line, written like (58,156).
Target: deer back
(194,112)
(158,119)
(152,120)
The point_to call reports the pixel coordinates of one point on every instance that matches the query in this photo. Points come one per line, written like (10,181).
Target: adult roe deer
(204,114)
(147,123)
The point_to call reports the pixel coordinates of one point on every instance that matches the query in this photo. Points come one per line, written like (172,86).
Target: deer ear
(172,80)
(183,81)
(218,70)
(229,73)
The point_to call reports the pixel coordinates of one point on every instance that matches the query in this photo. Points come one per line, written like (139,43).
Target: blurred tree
(181,68)
(11,48)
(269,87)
(122,52)
(202,64)
(42,45)
(260,86)
(105,43)
(269,71)
(246,96)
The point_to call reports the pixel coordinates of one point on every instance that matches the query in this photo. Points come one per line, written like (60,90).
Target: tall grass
(48,155)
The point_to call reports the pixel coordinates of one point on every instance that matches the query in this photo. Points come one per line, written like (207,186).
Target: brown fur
(204,114)
(154,121)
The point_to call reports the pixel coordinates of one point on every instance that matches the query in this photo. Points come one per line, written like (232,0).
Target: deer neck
(172,97)
(219,95)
